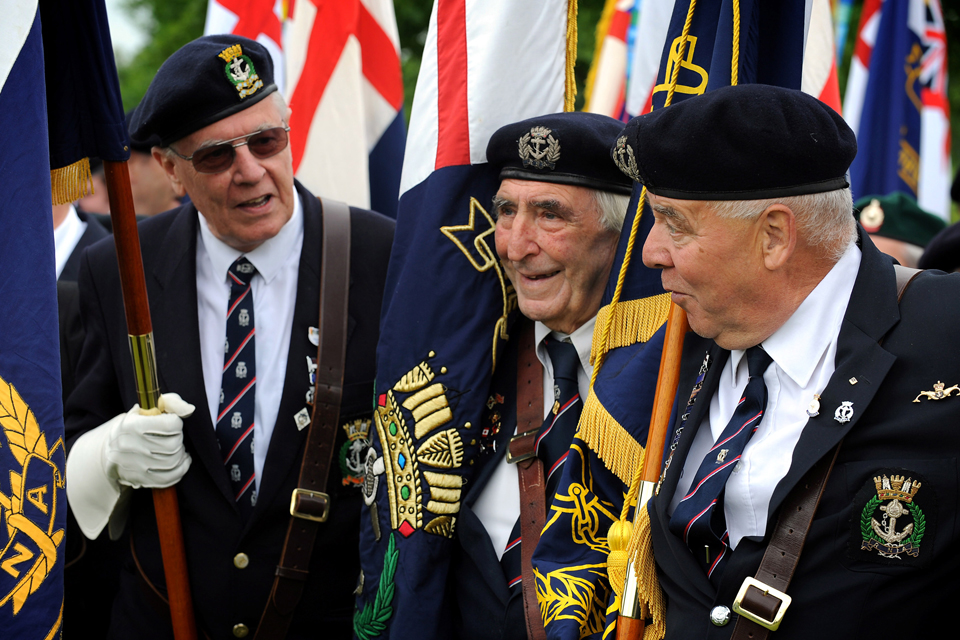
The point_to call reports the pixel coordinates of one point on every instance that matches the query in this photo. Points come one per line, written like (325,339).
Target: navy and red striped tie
(553,439)
(235,416)
(696,519)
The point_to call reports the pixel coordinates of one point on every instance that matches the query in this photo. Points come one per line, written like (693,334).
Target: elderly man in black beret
(560,207)
(803,361)
(234,281)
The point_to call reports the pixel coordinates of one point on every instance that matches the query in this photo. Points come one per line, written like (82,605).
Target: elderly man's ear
(777,236)
(169,169)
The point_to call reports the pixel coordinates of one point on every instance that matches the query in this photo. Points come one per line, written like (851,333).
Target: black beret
(897,216)
(138,146)
(563,148)
(943,251)
(748,142)
(203,82)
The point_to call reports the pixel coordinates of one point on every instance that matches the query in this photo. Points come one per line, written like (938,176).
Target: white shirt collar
(800,343)
(268,258)
(582,339)
(66,237)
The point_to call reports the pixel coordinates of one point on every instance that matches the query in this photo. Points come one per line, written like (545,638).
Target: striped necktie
(553,439)
(235,416)
(696,519)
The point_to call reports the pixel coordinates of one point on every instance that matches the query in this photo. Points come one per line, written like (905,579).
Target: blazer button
(720,615)
(241,630)
(241,561)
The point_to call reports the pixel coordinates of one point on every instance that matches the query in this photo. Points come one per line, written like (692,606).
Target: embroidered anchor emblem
(938,393)
(532,152)
(899,494)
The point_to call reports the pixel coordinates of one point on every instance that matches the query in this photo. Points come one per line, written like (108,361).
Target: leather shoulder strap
(522,451)
(905,276)
(309,504)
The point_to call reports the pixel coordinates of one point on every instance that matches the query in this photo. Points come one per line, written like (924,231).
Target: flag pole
(631,618)
(140,334)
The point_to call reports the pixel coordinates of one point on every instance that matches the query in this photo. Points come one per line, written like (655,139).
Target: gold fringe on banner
(641,551)
(608,439)
(570,84)
(72,182)
(603,28)
(633,321)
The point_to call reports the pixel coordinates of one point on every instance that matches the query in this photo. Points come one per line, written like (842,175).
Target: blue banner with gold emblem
(888,136)
(447,306)
(32,496)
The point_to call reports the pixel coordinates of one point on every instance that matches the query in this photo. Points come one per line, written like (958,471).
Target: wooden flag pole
(140,330)
(631,617)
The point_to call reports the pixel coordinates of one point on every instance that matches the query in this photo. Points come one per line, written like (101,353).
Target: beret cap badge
(240,71)
(872,216)
(625,160)
(532,151)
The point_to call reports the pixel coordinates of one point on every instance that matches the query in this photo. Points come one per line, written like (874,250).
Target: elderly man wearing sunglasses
(234,280)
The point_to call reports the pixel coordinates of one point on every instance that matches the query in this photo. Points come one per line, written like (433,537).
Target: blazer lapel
(177,334)
(861,365)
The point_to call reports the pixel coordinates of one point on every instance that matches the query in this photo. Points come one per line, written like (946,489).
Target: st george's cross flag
(337,64)
(448,303)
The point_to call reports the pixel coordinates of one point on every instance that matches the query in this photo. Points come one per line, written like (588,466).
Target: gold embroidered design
(938,393)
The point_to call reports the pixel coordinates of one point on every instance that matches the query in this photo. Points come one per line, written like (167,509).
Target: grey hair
(824,220)
(612,208)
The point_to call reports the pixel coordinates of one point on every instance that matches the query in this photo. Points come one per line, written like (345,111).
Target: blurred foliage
(169,25)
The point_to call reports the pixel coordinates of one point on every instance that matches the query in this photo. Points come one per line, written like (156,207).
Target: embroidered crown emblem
(896,488)
(240,71)
(534,153)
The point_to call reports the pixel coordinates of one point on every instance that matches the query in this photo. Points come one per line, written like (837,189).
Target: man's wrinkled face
(249,202)
(554,249)
(710,265)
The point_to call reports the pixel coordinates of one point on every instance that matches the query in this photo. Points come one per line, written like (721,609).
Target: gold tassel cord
(735,54)
(641,550)
(570,84)
(72,182)
(603,28)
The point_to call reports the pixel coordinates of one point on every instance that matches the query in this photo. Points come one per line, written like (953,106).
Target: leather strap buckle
(310,505)
(764,598)
(524,453)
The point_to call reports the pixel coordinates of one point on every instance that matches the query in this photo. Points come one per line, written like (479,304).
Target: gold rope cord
(570,83)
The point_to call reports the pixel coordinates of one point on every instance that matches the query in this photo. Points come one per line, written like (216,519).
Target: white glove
(135,449)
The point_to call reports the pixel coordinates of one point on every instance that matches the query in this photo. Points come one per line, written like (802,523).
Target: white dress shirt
(498,506)
(804,353)
(66,237)
(274,290)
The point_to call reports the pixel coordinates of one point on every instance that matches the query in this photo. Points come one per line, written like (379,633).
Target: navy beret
(203,82)
(563,148)
(943,251)
(747,142)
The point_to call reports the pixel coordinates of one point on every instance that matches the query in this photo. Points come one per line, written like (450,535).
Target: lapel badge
(938,393)
(351,453)
(532,150)
(813,409)
(302,418)
(240,72)
(844,412)
(893,506)
(312,375)
(313,335)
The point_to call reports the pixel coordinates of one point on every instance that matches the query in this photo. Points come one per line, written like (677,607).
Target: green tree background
(172,23)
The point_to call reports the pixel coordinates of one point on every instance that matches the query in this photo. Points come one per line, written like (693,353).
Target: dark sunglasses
(219,157)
